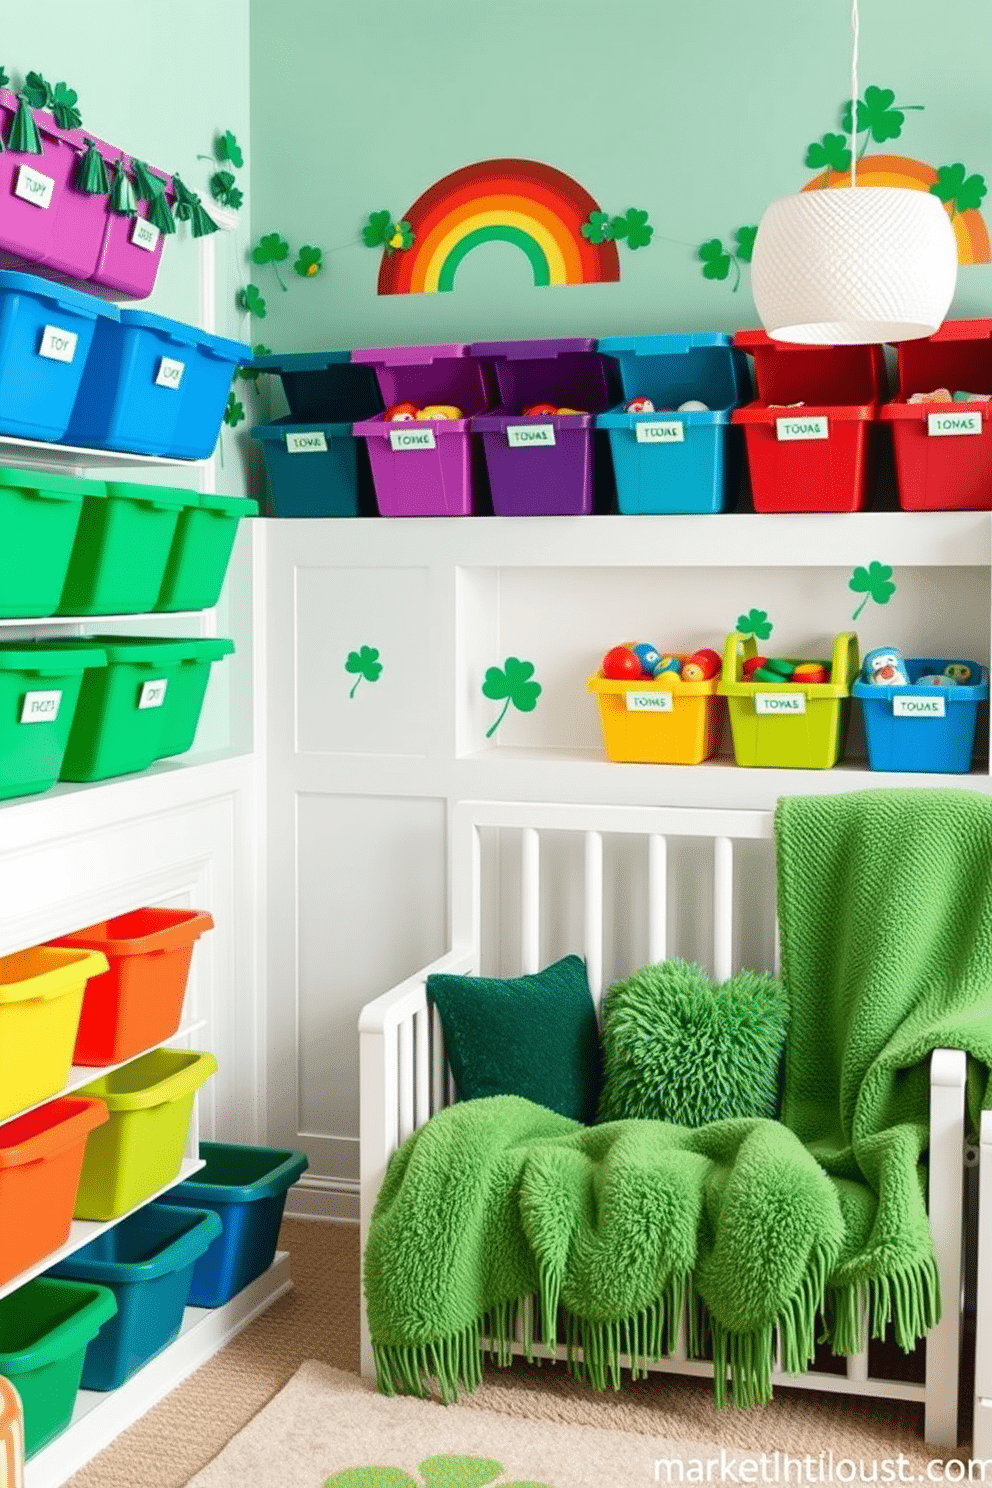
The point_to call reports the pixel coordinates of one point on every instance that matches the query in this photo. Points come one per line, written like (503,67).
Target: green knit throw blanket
(885,906)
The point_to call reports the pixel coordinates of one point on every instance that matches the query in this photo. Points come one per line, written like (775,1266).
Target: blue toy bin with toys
(673,460)
(923,729)
(246,1187)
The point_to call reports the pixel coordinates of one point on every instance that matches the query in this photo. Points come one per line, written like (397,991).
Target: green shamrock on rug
(437,1472)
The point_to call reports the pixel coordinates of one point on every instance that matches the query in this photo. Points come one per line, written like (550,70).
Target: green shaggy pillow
(677,1048)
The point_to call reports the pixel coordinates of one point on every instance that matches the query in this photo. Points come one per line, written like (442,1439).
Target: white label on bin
(412,439)
(519,435)
(33,187)
(145,235)
(660,431)
(306,444)
(57,344)
(954,423)
(40,707)
(802,428)
(153,693)
(904,705)
(650,702)
(780,702)
(170,373)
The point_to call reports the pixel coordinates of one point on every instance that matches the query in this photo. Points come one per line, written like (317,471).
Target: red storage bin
(139,1002)
(814,458)
(943,451)
(41,1162)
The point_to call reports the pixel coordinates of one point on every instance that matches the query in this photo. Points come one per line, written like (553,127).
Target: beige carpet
(318,1320)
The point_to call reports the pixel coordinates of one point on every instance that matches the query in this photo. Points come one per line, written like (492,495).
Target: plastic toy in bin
(658,708)
(779,719)
(921,715)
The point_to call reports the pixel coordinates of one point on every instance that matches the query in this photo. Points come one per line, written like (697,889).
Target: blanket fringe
(749,1356)
(909,1300)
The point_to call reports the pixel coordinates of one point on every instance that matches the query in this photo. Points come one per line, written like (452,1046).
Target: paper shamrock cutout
(227,148)
(37,91)
(874,582)
(250,299)
(718,261)
(633,228)
(830,153)
(271,249)
(514,684)
(309,261)
(250,373)
(4,79)
(366,663)
(956,189)
(756,623)
(382,232)
(234,412)
(877,115)
(224,190)
(400,236)
(446,1471)
(64,100)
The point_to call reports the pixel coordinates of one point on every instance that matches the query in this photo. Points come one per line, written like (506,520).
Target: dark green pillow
(677,1048)
(534,1036)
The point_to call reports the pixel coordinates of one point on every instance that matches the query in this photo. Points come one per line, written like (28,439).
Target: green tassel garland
(202,223)
(122,194)
(92,178)
(160,215)
(24,137)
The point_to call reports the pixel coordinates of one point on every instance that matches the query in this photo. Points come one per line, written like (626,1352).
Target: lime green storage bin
(40,684)
(121,549)
(201,551)
(45,1329)
(797,726)
(121,713)
(187,686)
(140,1149)
(39,517)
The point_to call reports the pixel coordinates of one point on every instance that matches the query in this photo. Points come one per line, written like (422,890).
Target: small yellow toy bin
(786,724)
(140,1149)
(658,721)
(41,999)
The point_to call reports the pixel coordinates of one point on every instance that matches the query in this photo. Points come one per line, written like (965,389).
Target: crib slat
(530,900)
(723,907)
(857,1364)
(438,1062)
(405,1037)
(594,914)
(421,1065)
(657,897)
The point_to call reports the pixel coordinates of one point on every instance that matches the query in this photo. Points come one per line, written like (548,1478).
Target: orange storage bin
(41,1161)
(138,1002)
(658,721)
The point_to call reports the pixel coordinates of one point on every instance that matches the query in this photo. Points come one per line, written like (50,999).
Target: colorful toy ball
(640,405)
(440,411)
(701,666)
(540,410)
(401,413)
(693,405)
(810,671)
(751,665)
(669,664)
(648,657)
(622,664)
(959,671)
(885,666)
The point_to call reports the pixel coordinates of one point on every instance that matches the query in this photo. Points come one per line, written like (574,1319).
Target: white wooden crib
(624,886)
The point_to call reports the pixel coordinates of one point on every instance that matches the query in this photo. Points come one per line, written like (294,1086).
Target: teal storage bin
(147,1262)
(46,336)
(670,461)
(246,1187)
(201,550)
(40,685)
(929,730)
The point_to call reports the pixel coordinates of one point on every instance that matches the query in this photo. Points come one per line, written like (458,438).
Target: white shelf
(82,1231)
(144,618)
(37,454)
(100,1417)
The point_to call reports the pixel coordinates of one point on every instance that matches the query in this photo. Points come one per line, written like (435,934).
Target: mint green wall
(699,113)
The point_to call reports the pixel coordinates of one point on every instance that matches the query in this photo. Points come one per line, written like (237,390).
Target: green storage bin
(45,1328)
(187,687)
(39,517)
(121,712)
(201,551)
(121,549)
(140,1148)
(40,684)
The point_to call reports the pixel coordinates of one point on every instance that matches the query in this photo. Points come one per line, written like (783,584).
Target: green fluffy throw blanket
(885,906)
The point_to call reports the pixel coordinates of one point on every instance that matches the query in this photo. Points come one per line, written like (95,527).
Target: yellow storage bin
(800,726)
(41,999)
(140,1149)
(658,721)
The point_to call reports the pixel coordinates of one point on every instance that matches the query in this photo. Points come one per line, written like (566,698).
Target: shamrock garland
(512,682)
(274,249)
(632,228)
(382,232)
(223,183)
(234,412)
(718,260)
(250,373)
(308,262)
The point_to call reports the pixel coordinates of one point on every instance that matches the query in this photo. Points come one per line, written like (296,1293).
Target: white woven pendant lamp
(854,265)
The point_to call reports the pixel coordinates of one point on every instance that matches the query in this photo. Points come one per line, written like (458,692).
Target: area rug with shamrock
(328,1429)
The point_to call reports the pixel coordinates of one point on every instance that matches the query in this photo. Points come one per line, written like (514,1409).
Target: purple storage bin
(32,188)
(542,466)
(425,467)
(81,218)
(131,253)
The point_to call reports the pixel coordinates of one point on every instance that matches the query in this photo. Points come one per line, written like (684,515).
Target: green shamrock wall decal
(756,623)
(447,1471)
(252,374)
(957,189)
(309,261)
(271,249)
(878,117)
(718,261)
(224,190)
(512,683)
(234,412)
(226,147)
(250,299)
(874,582)
(366,663)
(831,153)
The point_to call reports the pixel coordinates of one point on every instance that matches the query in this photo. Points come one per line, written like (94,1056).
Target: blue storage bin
(668,461)
(147,1261)
(204,392)
(316,467)
(46,334)
(246,1187)
(937,739)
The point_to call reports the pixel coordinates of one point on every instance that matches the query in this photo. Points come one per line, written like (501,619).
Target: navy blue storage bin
(669,461)
(246,1187)
(46,333)
(938,742)
(316,467)
(147,1261)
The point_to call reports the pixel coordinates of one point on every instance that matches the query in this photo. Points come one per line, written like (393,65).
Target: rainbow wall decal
(901,170)
(538,209)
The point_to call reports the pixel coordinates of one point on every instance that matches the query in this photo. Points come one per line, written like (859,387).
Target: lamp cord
(854,88)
